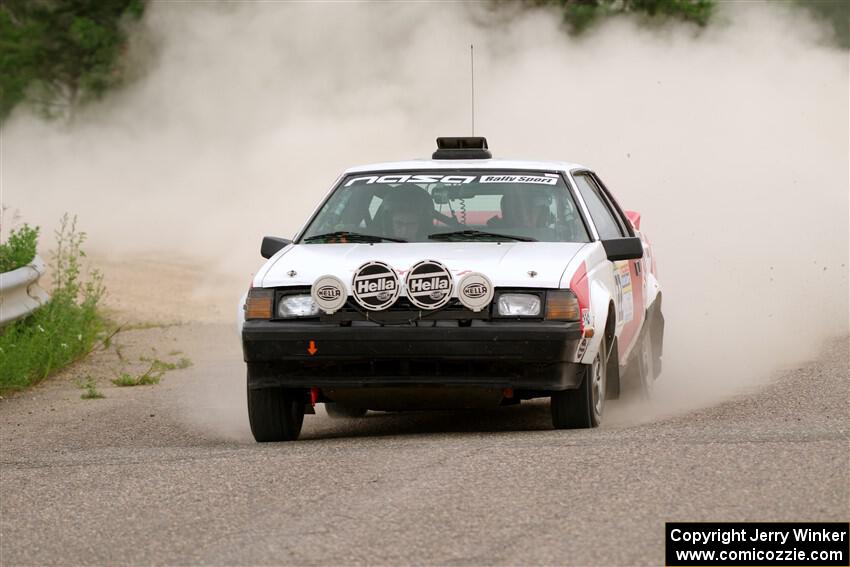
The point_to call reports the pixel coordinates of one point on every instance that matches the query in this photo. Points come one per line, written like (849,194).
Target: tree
(581,14)
(836,13)
(57,54)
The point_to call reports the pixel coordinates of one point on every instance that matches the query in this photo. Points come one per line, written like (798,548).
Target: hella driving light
(519,305)
(290,306)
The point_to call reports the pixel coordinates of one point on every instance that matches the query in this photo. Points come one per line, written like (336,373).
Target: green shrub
(64,329)
(91,391)
(19,249)
(147,379)
(580,15)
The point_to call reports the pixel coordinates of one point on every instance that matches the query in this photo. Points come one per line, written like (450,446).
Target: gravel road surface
(169,474)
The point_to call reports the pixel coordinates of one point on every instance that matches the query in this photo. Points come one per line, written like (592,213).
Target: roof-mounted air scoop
(473,147)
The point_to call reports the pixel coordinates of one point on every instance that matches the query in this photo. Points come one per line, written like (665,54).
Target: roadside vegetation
(148,378)
(91,391)
(71,324)
(63,330)
(19,249)
(163,366)
(156,369)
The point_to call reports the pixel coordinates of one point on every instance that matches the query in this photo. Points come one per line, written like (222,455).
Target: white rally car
(456,282)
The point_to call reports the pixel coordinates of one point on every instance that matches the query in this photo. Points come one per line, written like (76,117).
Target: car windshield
(443,206)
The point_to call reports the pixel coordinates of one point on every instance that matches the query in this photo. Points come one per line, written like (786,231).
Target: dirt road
(169,474)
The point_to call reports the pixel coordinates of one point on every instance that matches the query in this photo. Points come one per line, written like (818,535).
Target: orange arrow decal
(312,348)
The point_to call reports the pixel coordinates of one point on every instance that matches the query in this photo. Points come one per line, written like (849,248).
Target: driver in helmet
(408,213)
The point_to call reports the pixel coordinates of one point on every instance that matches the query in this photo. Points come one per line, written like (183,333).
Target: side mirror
(623,248)
(271,245)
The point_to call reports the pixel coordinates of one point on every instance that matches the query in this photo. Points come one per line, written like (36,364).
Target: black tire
(275,414)
(342,411)
(583,408)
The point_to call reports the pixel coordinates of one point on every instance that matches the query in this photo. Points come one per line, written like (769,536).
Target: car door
(628,274)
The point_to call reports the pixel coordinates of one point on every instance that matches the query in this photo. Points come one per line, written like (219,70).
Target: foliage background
(56,55)
(19,249)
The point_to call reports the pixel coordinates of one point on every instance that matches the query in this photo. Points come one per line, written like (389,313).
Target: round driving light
(429,285)
(475,291)
(328,292)
(375,286)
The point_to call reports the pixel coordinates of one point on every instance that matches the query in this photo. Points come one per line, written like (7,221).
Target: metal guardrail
(20,293)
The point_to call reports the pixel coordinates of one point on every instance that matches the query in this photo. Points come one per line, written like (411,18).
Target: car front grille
(403,311)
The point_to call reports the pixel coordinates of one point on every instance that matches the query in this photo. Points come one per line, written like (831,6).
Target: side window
(603,218)
(624,223)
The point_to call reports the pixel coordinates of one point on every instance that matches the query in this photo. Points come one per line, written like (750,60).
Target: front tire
(583,408)
(275,414)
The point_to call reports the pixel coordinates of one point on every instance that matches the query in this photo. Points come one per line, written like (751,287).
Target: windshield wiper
(471,234)
(345,236)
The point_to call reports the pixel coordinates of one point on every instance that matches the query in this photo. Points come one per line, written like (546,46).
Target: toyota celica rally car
(456,282)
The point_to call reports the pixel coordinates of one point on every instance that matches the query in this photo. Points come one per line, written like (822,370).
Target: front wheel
(583,408)
(275,414)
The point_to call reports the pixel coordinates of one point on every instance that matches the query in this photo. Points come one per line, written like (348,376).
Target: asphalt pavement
(169,474)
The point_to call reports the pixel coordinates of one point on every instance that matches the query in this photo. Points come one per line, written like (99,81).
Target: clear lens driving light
(519,305)
(297,306)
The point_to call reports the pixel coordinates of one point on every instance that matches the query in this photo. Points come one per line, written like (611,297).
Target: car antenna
(472,82)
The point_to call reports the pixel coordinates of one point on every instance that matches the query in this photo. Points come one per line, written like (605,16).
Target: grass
(71,324)
(91,391)
(149,325)
(63,330)
(153,374)
(161,365)
(19,249)
(115,329)
(146,379)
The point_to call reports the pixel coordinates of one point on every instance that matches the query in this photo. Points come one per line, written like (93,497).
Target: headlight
(519,305)
(290,306)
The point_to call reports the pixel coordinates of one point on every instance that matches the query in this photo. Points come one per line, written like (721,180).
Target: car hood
(507,264)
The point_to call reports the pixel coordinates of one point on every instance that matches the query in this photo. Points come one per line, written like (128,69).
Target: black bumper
(525,356)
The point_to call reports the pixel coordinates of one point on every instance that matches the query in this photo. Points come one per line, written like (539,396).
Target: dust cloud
(732,143)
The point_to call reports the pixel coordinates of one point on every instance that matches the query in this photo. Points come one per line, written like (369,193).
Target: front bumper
(535,356)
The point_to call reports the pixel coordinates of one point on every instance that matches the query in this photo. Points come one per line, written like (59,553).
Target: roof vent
(473,147)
